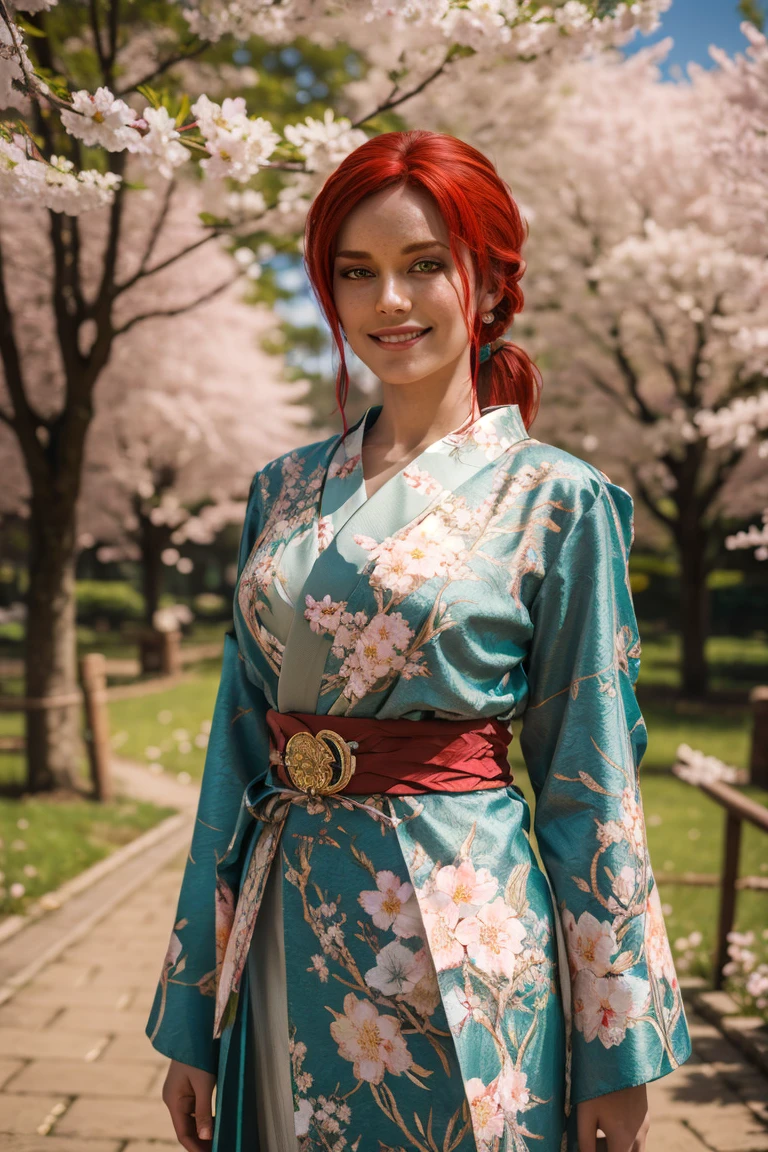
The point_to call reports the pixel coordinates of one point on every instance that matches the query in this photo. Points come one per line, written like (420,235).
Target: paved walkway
(77,1073)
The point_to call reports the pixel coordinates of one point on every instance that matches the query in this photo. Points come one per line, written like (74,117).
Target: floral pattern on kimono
(428,998)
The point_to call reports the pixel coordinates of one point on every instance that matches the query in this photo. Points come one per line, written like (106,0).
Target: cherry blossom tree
(182,424)
(646,301)
(101,92)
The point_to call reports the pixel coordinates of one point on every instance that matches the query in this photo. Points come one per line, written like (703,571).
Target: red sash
(401,757)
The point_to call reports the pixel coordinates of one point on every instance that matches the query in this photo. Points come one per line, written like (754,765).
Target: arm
(583,738)
(181,1021)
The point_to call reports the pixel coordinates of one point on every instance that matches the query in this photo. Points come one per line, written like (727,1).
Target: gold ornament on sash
(312,762)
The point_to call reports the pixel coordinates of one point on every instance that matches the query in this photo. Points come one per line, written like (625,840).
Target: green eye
(434,263)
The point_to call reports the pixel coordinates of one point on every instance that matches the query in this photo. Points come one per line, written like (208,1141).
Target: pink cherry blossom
(467,887)
(373,1042)
(657,947)
(605,1006)
(493,938)
(424,997)
(393,905)
(591,943)
(440,919)
(487,1114)
(513,1089)
(323,615)
(632,821)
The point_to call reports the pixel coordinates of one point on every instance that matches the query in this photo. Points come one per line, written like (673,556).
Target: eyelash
(346,273)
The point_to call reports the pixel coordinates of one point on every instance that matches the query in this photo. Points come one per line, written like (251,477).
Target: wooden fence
(94,696)
(738,809)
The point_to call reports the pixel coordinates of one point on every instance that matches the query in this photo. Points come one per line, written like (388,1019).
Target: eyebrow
(417,247)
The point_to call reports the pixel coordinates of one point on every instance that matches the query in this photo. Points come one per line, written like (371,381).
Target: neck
(418,415)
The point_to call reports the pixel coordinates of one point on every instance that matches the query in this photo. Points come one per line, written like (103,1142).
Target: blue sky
(694,25)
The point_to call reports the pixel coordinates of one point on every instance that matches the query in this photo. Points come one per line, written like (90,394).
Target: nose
(392,297)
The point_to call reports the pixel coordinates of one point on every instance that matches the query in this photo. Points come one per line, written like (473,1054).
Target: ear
(490,297)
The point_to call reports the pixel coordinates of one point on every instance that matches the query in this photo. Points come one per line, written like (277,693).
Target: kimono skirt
(385,966)
(393,1020)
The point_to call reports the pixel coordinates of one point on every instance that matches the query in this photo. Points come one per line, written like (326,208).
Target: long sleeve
(583,738)
(181,1021)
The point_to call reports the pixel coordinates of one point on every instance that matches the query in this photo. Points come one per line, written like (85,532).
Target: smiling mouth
(407,340)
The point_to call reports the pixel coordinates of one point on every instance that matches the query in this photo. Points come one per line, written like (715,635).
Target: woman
(388,968)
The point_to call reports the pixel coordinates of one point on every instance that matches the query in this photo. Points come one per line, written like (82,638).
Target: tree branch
(66,310)
(93,10)
(161,312)
(650,503)
(661,336)
(157,227)
(144,273)
(604,387)
(25,420)
(393,101)
(114,28)
(630,376)
(162,66)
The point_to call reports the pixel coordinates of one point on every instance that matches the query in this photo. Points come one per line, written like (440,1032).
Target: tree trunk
(52,734)
(153,538)
(694,610)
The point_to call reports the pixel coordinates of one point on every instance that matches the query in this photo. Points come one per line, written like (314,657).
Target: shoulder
(294,469)
(580,488)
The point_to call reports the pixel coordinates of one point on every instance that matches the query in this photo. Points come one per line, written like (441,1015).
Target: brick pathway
(78,1075)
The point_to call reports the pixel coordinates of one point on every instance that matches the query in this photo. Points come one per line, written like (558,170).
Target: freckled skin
(391,289)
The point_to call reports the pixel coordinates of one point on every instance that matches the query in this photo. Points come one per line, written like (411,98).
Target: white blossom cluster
(753,537)
(695,767)
(234,145)
(324,143)
(14,64)
(748,976)
(238,145)
(526,27)
(740,422)
(53,183)
(739,138)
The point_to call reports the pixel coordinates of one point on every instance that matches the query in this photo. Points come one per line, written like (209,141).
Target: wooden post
(758,759)
(170,653)
(93,673)
(727,894)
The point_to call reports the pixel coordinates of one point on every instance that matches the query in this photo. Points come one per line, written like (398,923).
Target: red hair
(478,209)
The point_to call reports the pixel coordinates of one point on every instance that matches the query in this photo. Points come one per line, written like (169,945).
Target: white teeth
(401,339)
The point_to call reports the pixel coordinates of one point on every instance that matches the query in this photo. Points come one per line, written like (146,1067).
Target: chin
(407,374)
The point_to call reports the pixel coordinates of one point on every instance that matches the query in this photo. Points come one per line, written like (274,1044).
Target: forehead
(392,218)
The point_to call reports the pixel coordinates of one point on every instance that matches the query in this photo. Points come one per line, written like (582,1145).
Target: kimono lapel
(443,467)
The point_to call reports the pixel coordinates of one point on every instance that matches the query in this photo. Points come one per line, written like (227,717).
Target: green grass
(736,663)
(55,840)
(170,728)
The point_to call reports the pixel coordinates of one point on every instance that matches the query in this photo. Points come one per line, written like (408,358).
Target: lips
(406,340)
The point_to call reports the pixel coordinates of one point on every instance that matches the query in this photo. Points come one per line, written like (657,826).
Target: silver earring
(488,317)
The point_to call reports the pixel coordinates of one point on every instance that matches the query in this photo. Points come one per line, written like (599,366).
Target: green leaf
(150,95)
(183,111)
(29,29)
(458,51)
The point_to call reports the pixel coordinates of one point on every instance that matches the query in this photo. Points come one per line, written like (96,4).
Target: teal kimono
(444,992)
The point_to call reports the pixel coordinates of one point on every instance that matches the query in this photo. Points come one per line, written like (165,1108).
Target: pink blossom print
(372,1041)
(467,888)
(493,938)
(487,1114)
(393,905)
(605,1006)
(591,943)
